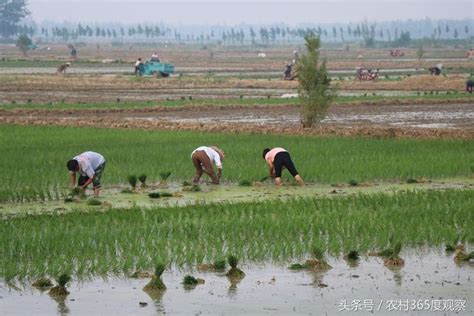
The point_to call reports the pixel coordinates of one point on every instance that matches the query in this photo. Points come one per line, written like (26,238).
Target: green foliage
(297,266)
(190,280)
(42,283)
(314,91)
(159,269)
(245,183)
(165,175)
(11,13)
(317,253)
(420,52)
(132,180)
(412,180)
(94,202)
(63,279)
(353,255)
(233,261)
(157,195)
(370,159)
(23,43)
(353,183)
(362,222)
(142,179)
(219,265)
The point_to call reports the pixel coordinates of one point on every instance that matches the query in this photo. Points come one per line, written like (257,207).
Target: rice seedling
(142,179)
(245,183)
(353,255)
(94,202)
(186,184)
(191,281)
(60,289)
(412,180)
(234,272)
(297,266)
(371,159)
(353,183)
(131,239)
(156,283)
(318,262)
(460,255)
(132,180)
(42,284)
(157,195)
(165,175)
(393,258)
(217,266)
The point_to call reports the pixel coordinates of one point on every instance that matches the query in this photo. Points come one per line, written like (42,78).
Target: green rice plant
(142,179)
(234,273)
(353,255)
(157,195)
(219,265)
(94,202)
(132,238)
(156,283)
(60,289)
(186,183)
(42,284)
(191,281)
(245,183)
(412,180)
(297,266)
(132,180)
(165,175)
(353,183)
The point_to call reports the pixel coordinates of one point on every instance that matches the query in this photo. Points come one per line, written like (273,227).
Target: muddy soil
(270,289)
(410,120)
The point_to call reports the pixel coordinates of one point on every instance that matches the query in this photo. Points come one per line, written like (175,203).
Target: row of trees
(263,35)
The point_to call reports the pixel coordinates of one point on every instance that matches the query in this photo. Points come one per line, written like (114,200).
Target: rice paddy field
(385,219)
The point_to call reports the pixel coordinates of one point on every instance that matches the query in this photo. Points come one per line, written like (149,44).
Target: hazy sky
(255,12)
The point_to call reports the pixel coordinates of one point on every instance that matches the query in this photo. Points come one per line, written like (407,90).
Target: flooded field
(431,283)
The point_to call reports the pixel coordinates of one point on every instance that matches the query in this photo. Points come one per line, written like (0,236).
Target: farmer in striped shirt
(277,159)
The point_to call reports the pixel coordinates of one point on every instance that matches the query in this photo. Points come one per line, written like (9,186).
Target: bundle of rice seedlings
(234,272)
(142,179)
(60,289)
(156,283)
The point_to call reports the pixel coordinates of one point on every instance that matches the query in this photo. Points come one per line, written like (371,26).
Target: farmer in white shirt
(90,166)
(203,159)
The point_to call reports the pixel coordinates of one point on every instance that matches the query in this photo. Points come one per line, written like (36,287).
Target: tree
(24,43)
(420,52)
(11,13)
(315,93)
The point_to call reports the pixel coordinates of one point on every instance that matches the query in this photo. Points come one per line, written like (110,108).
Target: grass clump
(353,183)
(297,266)
(234,272)
(353,255)
(412,180)
(132,180)
(165,175)
(191,281)
(393,258)
(42,284)
(94,202)
(461,255)
(318,262)
(60,289)
(245,183)
(142,179)
(157,195)
(156,283)
(219,265)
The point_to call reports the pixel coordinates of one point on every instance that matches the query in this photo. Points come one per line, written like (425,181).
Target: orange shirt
(270,156)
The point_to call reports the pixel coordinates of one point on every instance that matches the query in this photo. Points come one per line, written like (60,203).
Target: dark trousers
(283,159)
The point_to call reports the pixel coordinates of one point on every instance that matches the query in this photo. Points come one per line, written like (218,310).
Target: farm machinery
(366,75)
(155,68)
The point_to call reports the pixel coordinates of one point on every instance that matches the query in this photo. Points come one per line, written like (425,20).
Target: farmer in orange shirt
(277,159)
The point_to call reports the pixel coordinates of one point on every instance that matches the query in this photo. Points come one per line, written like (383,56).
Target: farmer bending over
(203,158)
(469,86)
(62,68)
(90,166)
(277,159)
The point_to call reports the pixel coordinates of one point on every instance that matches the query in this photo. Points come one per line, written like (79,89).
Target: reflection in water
(62,307)
(157,296)
(232,291)
(397,273)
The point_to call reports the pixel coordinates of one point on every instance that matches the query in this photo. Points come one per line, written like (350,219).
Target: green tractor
(155,68)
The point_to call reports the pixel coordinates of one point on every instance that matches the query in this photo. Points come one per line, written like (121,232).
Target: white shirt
(89,161)
(137,63)
(212,154)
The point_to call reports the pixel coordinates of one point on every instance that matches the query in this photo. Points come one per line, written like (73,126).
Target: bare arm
(219,173)
(89,181)
(73,179)
(271,170)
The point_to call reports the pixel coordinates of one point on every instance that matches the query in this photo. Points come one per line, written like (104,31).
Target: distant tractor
(366,75)
(155,68)
(396,53)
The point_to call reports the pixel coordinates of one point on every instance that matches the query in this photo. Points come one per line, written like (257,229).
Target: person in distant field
(470,54)
(203,159)
(137,66)
(154,57)
(90,166)
(62,68)
(278,158)
(469,85)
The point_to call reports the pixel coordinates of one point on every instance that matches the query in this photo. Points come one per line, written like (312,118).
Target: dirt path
(411,120)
